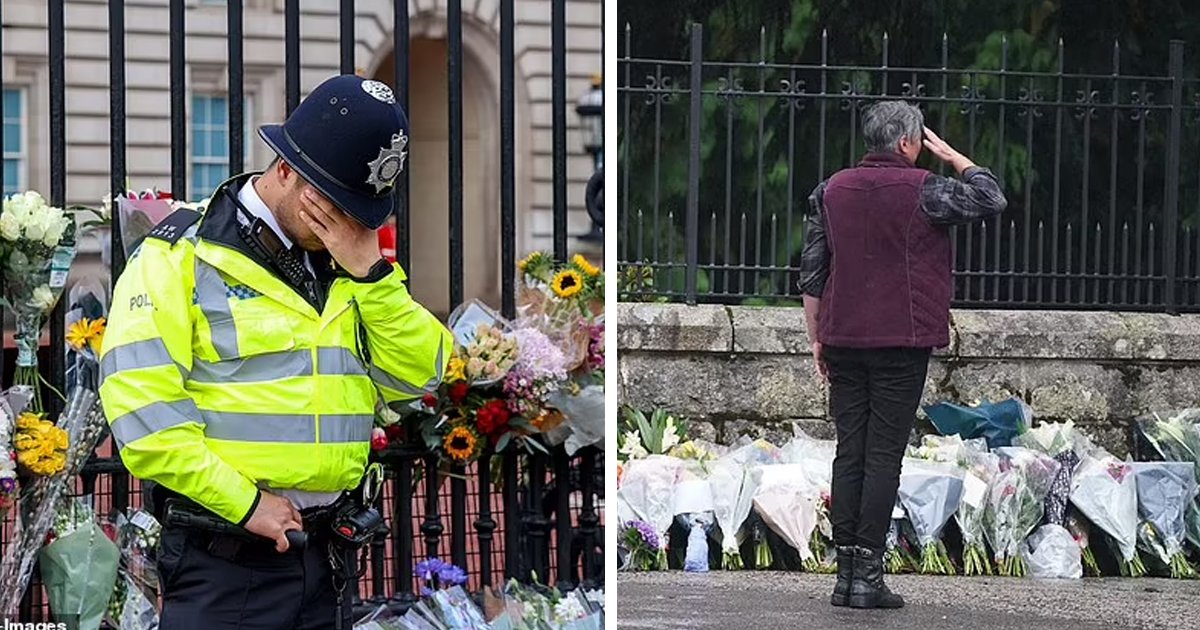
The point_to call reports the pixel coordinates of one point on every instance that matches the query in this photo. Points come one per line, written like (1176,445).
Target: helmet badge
(389,164)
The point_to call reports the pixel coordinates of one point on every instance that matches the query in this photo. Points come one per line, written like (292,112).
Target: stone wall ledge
(993,334)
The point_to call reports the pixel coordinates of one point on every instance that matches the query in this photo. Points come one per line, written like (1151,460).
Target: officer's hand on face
(272,519)
(352,245)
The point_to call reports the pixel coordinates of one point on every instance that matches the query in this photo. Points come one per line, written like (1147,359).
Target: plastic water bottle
(696,560)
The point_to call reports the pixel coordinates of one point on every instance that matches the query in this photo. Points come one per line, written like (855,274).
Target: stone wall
(748,371)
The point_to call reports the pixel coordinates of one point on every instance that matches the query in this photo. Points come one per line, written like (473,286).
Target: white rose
(9,228)
(35,230)
(55,228)
(43,298)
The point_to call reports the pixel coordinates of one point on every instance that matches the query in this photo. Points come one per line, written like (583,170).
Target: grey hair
(885,123)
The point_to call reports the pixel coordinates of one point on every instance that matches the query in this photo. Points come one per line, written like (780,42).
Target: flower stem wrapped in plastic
(1177,439)
(79,567)
(787,504)
(1016,503)
(931,493)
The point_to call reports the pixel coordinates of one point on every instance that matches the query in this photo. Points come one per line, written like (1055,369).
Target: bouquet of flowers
(648,490)
(495,391)
(816,459)
(981,468)
(733,490)
(787,504)
(36,249)
(80,566)
(641,437)
(1177,439)
(135,595)
(1016,503)
(82,421)
(1081,531)
(1105,491)
(643,544)
(8,459)
(1164,490)
(899,556)
(931,493)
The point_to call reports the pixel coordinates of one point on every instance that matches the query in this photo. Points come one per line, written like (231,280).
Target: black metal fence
(717,160)
(545,517)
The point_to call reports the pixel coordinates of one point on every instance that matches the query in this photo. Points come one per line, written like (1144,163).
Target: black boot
(845,574)
(867,589)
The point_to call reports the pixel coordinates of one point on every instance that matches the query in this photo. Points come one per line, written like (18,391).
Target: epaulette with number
(172,228)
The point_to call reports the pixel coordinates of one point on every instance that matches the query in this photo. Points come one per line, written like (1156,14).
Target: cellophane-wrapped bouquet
(1176,437)
(816,460)
(1016,503)
(134,603)
(1165,490)
(982,467)
(931,493)
(1104,489)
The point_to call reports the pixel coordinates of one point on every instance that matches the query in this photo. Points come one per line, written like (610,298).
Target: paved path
(728,600)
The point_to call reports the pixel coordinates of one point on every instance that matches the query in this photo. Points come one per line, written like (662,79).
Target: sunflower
(460,444)
(586,267)
(567,283)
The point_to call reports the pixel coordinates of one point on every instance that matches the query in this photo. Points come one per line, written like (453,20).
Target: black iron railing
(542,514)
(717,160)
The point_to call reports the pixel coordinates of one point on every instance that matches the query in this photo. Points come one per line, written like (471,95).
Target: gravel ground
(727,600)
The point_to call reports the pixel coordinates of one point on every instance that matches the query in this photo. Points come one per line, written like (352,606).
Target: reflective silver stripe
(154,418)
(346,428)
(301,429)
(259,427)
(138,355)
(337,361)
(387,380)
(258,368)
(210,292)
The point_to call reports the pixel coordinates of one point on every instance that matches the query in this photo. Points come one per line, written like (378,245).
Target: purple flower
(426,591)
(451,575)
(8,484)
(646,530)
(427,569)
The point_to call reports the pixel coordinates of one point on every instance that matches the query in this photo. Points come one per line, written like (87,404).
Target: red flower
(492,418)
(458,392)
(394,432)
(430,400)
(379,440)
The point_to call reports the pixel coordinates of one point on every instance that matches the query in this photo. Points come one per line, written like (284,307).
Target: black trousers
(256,589)
(873,397)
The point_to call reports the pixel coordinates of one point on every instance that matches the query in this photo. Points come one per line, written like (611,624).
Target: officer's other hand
(273,517)
(352,245)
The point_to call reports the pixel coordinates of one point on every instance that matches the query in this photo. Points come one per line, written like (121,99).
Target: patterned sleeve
(950,201)
(814,260)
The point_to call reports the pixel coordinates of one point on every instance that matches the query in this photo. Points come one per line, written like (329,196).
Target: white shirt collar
(250,199)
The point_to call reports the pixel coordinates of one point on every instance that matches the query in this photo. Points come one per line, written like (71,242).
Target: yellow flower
(586,267)
(567,283)
(79,333)
(460,443)
(456,370)
(525,262)
(97,334)
(28,420)
(60,439)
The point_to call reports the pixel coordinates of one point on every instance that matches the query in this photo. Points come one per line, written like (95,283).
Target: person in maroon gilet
(876,279)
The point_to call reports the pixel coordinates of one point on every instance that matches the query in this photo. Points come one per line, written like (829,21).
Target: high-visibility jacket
(219,378)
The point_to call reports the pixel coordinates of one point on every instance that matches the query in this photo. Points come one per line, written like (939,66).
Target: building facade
(26,110)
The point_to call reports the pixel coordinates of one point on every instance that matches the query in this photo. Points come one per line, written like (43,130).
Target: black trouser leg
(257,589)
(849,405)
(897,382)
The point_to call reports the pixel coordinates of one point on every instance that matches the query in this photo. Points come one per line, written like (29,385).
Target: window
(14,141)
(210,143)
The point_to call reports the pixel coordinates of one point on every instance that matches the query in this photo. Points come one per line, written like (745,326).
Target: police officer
(247,350)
